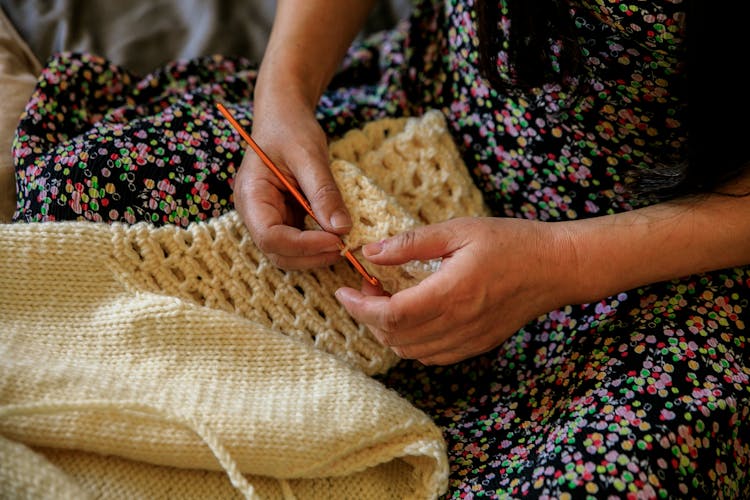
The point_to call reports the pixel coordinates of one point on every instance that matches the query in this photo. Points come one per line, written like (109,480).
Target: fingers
(306,160)
(438,338)
(325,198)
(291,248)
(385,313)
(286,129)
(274,217)
(272,221)
(401,321)
(437,321)
(423,243)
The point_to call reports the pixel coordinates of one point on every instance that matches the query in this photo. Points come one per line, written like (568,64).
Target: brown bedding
(18,70)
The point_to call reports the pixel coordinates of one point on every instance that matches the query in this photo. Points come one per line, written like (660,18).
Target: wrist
(565,244)
(613,253)
(278,86)
(606,255)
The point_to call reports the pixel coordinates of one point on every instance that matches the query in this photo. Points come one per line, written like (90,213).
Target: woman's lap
(648,391)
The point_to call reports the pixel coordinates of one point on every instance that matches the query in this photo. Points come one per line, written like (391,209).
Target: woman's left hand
(496,275)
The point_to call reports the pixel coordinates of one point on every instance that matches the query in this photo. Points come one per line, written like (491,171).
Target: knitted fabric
(154,362)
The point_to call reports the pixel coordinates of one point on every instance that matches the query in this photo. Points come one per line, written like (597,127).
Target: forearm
(664,241)
(307,43)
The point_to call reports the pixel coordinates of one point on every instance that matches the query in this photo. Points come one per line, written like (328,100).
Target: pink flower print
(666,414)
(590,207)
(75,202)
(164,186)
(603,308)
(129,217)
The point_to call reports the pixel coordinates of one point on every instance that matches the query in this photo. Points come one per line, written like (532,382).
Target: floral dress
(645,394)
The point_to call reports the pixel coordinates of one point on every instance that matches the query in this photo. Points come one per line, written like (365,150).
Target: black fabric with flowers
(645,394)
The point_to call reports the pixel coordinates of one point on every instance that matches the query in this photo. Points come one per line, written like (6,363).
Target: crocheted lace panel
(394,174)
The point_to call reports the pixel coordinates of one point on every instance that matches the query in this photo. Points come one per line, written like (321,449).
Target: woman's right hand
(306,46)
(287,131)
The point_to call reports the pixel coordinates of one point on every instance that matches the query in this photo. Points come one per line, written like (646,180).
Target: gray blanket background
(142,35)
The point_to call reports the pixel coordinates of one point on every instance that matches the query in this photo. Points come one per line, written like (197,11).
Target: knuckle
(263,244)
(410,352)
(391,322)
(428,361)
(408,238)
(403,352)
(324,192)
(386,338)
(276,260)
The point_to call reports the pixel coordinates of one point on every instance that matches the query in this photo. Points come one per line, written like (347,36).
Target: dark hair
(718,105)
(532,62)
(716,152)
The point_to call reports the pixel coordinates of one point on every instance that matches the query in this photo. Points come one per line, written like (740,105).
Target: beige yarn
(142,362)
(397,174)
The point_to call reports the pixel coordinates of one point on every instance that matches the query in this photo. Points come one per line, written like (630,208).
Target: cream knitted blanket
(142,362)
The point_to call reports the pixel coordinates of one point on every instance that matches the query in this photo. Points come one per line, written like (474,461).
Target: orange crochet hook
(297,195)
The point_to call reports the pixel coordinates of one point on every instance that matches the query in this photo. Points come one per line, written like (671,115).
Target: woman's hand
(288,133)
(302,54)
(496,275)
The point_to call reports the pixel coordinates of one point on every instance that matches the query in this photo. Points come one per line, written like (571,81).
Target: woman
(590,338)
(574,139)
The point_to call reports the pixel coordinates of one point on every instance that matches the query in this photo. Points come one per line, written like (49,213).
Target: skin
(302,54)
(497,274)
(514,270)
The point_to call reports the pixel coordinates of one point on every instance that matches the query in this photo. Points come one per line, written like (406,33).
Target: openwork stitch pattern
(397,174)
(215,264)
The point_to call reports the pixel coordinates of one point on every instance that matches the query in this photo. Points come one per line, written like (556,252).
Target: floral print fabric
(645,394)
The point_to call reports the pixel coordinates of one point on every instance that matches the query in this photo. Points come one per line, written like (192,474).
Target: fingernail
(373,248)
(340,220)
(342,294)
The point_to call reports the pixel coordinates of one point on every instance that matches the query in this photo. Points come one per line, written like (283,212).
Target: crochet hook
(297,195)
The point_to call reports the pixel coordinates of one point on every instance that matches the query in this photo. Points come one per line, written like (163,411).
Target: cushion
(18,70)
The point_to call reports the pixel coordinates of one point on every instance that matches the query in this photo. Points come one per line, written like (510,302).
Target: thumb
(422,243)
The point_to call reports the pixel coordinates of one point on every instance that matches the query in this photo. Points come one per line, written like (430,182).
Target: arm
(307,43)
(498,274)
(306,46)
(664,241)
